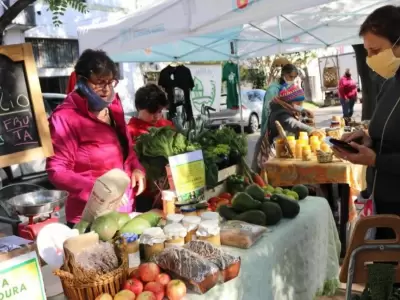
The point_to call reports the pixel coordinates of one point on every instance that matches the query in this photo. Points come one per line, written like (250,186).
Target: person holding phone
(379,146)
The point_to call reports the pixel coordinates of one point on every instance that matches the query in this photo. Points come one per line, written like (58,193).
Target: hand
(361,135)
(138,180)
(365,155)
(308,113)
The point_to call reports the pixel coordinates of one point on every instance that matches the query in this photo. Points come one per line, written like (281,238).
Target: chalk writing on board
(18,131)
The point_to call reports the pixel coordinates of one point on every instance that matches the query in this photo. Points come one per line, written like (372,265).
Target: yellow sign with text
(21,278)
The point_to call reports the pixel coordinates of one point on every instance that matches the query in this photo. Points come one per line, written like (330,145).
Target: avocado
(301,190)
(226,212)
(272,211)
(290,208)
(242,202)
(256,192)
(256,217)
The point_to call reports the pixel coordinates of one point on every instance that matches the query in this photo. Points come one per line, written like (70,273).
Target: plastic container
(175,235)
(188,210)
(132,249)
(299,149)
(191,223)
(168,198)
(291,142)
(303,136)
(152,242)
(315,145)
(209,231)
(174,218)
(306,154)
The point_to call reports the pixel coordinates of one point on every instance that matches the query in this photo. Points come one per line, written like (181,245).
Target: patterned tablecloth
(296,260)
(287,172)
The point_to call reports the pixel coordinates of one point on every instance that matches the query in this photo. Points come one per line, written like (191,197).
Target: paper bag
(107,194)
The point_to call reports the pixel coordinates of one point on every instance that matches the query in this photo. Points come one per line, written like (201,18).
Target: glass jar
(209,231)
(168,198)
(132,249)
(188,210)
(210,215)
(191,223)
(175,235)
(174,218)
(152,242)
(307,154)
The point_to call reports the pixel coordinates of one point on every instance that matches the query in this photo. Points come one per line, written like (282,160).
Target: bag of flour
(107,194)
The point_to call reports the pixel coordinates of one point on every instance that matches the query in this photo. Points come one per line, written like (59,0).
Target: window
(54,53)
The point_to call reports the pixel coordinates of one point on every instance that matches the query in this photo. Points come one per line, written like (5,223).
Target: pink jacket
(84,149)
(347,88)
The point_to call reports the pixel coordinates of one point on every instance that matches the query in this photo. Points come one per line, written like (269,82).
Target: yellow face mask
(385,63)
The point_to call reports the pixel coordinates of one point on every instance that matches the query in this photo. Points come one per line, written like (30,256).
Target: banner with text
(207,86)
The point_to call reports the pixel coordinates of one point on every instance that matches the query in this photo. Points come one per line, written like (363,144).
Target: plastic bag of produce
(240,234)
(107,194)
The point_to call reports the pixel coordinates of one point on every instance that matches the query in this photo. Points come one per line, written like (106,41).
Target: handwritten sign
(21,278)
(24,133)
(189,176)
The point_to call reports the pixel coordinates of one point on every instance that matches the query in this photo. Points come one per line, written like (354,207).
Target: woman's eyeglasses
(103,84)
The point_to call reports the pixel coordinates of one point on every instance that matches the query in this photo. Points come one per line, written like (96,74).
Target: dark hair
(287,69)
(382,22)
(151,98)
(95,62)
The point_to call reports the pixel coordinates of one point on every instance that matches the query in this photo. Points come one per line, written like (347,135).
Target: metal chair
(363,251)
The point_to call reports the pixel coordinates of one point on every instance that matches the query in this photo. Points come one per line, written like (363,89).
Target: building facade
(56,49)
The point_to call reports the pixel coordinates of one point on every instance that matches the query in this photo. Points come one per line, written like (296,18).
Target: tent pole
(239,89)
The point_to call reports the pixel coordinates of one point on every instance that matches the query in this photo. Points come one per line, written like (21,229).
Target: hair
(287,69)
(95,62)
(382,22)
(151,98)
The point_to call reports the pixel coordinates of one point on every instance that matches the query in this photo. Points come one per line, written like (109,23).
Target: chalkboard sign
(24,132)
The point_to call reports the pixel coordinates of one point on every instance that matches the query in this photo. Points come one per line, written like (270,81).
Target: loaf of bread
(199,274)
(228,265)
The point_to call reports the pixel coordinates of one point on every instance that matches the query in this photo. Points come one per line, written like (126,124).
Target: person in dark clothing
(379,147)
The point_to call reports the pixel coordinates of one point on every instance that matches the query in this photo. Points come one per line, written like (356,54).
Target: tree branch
(12,12)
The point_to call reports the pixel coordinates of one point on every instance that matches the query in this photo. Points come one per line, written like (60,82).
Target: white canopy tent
(203,30)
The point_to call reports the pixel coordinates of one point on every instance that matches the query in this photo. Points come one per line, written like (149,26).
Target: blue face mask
(95,102)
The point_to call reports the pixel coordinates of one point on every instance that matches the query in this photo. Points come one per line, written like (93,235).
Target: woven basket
(331,77)
(324,157)
(335,133)
(80,287)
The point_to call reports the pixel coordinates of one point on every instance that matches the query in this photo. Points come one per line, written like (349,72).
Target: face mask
(298,107)
(95,102)
(385,63)
(289,82)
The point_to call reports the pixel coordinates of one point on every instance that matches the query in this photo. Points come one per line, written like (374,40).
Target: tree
(58,8)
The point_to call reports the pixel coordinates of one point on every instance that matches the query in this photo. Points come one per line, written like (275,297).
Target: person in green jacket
(289,74)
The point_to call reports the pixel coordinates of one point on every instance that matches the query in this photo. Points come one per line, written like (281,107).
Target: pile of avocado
(252,205)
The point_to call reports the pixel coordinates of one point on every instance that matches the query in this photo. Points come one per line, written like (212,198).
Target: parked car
(252,102)
(34,171)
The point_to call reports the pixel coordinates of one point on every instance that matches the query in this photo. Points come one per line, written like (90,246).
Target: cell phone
(343,145)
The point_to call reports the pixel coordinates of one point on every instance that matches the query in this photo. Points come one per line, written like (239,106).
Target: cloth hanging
(231,76)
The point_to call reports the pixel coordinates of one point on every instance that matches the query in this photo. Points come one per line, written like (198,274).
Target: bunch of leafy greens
(154,148)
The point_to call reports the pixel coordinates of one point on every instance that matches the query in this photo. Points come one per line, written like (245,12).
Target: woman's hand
(359,135)
(308,113)
(365,155)
(139,181)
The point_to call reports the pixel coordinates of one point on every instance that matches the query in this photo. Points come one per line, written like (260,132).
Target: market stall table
(294,261)
(288,172)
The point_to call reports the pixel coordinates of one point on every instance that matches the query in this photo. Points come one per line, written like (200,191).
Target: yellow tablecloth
(287,172)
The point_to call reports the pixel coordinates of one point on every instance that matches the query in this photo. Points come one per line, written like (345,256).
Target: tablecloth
(296,260)
(287,172)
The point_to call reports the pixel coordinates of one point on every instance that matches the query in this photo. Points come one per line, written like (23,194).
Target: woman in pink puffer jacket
(90,137)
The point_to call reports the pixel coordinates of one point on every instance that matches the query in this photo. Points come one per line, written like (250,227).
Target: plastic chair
(363,251)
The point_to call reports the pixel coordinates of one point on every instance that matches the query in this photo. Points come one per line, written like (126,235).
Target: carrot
(258,180)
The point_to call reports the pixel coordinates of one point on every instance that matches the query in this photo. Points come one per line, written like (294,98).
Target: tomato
(213,200)
(226,196)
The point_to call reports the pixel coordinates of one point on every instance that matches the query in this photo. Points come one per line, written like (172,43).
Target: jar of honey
(175,235)
(303,136)
(209,231)
(132,249)
(174,218)
(315,144)
(191,223)
(292,143)
(307,154)
(299,149)
(152,242)
(279,148)
(168,198)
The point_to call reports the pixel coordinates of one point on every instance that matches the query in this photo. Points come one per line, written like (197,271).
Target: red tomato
(226,196)
(213,200)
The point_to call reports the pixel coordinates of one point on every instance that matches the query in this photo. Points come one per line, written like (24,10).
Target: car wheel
(253,123)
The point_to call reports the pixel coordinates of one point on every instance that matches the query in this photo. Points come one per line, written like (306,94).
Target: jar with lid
(307,154)
(299,149)
(168,198)
(188,210)
(132,250)
(174,218)
(291,142)
(279,147)
(191,223)
(303,136)
(175,235)
(209,231)
(201,207)
(210,215)
(152,242)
